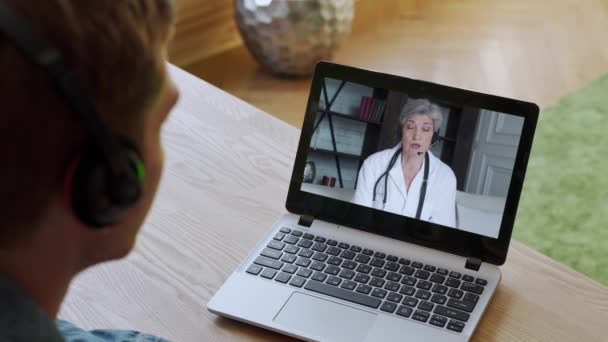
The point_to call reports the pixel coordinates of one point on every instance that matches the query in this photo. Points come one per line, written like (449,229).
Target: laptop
(399,213)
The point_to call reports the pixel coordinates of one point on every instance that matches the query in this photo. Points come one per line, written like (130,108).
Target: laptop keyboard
(393,285)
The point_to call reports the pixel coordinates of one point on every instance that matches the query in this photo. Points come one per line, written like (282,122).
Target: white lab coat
(440,199)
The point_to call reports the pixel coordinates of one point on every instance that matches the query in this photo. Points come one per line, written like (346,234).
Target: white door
(493,154)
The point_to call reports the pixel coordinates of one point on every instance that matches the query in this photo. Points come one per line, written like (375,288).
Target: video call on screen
(370,146)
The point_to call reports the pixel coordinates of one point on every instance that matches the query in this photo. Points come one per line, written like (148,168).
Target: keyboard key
(355,249)
(392,286)
(470,297)
(254,269)
(391,266)
(426,306)
(289,258)
(377,282)
(406,270)
(343,294)
(343,245)
(362,278)
(334,251)
(388,307)
(271,253)
(394,297)
(349,264)
(268,273)
(430,268)
(439,321)
(279,236)
(461,305)
(420,274)
(378,272)
(439,299)
(317,266)
(304,262)
(267,262)
(285,230)
(380,293)
(455,326)
(404,261)
(472,288)
(283,277)
(455,275)
(436,278)
(451,282)
(333,270)
(308,236)
(297,281)
(320,239)
(441,289)
(334,260)
(481,282)
(423,294)
(296,232)
(318,276)
(332,242)
(368,252)
(380,255)
(411,281)
(392,258)
(455,293)
(467,278)
(451,313)
(349,255)
(320,256)
(348,284)
(291,269)
(304,272)
(333,280)
(291,249)
(416,264)
(364,269)
(319,247)
(362,288)
(410,301)
(362,258)
(305,243)
(425,285)
(347,274)
(421,316)
(407,290)
(442,271)
(377,262)
(278,245)
(291,239)
(306,253)
(392,276)
(404,311)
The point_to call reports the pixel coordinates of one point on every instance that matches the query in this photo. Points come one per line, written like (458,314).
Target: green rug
(563,212)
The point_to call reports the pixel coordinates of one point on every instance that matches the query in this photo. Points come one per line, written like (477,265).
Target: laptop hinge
(306,220)
(473,264)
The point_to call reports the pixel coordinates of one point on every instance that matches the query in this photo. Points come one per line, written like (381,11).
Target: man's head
(118,50)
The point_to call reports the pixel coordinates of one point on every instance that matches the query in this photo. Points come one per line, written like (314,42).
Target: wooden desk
(227,171)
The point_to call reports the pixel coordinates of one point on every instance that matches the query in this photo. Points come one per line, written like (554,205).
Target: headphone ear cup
(99,197)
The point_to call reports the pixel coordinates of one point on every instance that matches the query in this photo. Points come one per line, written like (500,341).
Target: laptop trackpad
(325,319)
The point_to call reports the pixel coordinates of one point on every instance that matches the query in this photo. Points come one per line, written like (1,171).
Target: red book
(362,107)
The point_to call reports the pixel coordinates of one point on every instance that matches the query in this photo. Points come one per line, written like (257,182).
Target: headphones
(108,179)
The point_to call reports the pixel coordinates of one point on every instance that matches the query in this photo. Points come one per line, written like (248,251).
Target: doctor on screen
(394,179)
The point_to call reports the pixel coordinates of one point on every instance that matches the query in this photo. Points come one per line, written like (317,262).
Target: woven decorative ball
(288,37)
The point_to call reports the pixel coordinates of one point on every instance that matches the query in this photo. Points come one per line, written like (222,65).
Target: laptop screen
(424,158)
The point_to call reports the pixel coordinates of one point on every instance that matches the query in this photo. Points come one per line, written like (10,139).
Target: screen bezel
(399,227)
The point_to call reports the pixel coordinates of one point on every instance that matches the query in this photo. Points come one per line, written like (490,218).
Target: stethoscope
(388,169)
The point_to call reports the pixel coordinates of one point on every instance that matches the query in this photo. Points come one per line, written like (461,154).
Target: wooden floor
(532,50)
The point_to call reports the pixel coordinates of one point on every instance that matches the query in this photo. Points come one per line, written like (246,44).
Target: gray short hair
(421,106)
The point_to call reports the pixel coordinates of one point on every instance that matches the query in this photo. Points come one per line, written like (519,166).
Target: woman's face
(417,133)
